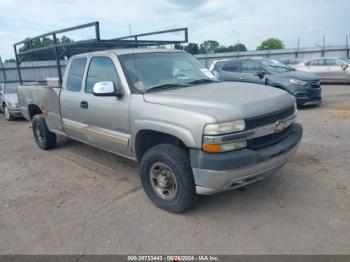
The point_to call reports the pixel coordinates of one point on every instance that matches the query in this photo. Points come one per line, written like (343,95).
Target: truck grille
(269,140)
(255,122)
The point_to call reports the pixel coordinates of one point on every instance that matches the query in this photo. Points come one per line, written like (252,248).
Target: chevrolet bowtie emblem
(280,125)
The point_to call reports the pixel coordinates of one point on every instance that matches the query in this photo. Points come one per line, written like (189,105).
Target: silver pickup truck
(191,134)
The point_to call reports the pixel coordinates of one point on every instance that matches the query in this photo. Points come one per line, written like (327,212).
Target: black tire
(43,137)
(178,161)
(8,115)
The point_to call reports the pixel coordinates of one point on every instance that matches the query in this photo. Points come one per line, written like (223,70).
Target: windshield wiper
(201,81)
(164,87)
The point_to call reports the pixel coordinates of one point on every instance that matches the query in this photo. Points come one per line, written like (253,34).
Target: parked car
(291,62)
(330,69)
(192,134)
(9,100)
(304,86)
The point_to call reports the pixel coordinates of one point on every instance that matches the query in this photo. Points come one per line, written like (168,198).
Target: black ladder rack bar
(94,44)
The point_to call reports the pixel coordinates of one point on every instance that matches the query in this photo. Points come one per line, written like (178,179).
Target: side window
(75,74)
(318,62)
(101,69)
(250,67)
(333,62)
(232,67)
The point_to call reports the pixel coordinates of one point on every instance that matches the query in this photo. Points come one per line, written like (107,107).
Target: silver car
(9,100)
(290,62)
(330,69)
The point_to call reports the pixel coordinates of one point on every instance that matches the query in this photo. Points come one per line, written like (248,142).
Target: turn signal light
(211,148)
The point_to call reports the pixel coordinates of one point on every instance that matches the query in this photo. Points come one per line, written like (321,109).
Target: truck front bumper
(308,96)
(214,173)
(15,112)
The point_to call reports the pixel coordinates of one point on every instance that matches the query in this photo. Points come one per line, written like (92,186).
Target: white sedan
(330,69)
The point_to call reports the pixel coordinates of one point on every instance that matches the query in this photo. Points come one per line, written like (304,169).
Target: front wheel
(43,137)
(8,115)
(167,178)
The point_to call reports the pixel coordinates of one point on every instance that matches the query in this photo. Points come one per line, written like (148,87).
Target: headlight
(217,148)
(297,82)
(224,128)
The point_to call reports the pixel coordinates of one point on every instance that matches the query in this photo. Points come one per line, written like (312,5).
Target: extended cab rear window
(75,74)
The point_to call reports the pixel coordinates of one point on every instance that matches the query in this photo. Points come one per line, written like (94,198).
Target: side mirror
(344,66)
(260,74)
(107,89)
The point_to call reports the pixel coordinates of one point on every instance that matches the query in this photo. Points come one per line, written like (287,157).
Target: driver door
(107,116)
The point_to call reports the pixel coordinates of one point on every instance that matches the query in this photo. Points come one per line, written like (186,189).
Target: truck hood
(225,101)
(11,98)
(300,75)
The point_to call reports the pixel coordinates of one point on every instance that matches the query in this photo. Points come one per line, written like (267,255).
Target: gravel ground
(80,200)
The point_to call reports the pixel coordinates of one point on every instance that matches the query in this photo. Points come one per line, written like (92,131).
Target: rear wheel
(167,178)
(43,137)
(7,113)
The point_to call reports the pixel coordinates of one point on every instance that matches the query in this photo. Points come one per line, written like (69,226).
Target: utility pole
(238,48)
(298,45)
(347,46)
(323,45)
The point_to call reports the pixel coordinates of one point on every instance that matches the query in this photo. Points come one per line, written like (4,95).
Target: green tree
(178,46)
(239,47)
(65,39)
(37,43)
(221,49)
(192,48)
(232,48)
(11,60)
(270,44)
(209,46)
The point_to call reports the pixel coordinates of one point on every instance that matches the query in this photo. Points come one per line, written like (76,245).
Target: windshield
(276,66)
(10,89)
(163,70)
(346,60)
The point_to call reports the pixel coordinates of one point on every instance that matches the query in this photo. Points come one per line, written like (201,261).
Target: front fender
(179,132)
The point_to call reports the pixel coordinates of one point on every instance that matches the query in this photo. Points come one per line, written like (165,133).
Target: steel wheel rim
(39,133)
(7,113)
(163,181)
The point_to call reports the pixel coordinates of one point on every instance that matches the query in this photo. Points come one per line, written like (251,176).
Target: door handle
(84,104)
(241,78)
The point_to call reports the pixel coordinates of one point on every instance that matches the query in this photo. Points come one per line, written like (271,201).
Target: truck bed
(40,96)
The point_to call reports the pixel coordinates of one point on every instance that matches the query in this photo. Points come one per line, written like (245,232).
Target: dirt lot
(80,200)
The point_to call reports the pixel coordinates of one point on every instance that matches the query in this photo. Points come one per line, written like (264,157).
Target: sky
(226,21)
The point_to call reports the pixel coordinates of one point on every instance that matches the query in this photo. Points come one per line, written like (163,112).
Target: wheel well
(145,139)
(34,110)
